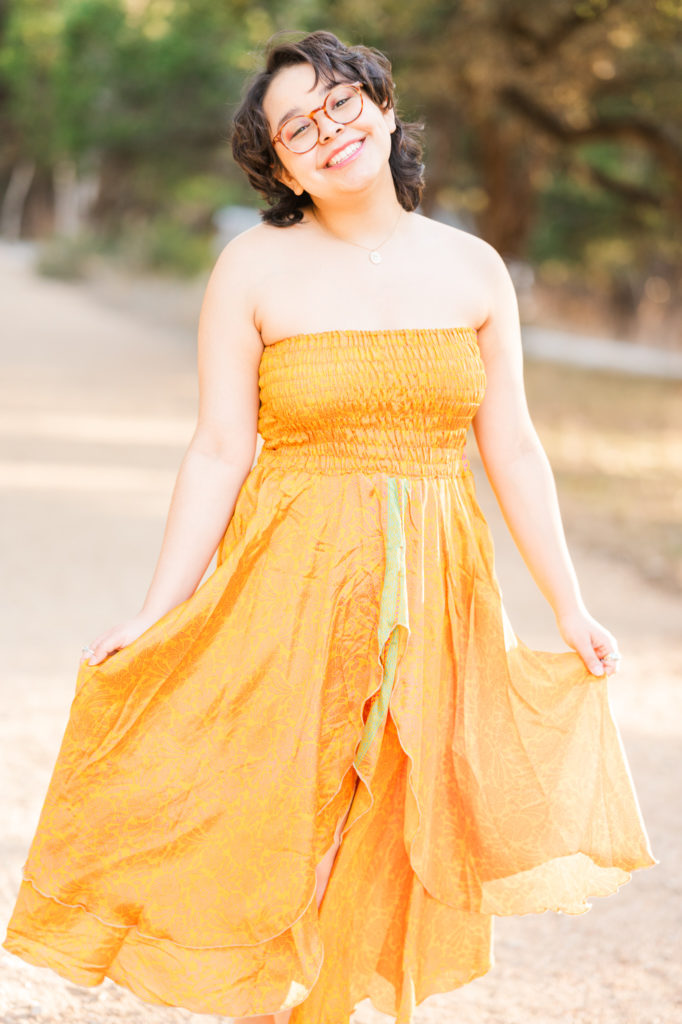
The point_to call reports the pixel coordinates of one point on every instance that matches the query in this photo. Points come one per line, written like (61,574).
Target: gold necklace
(374,254)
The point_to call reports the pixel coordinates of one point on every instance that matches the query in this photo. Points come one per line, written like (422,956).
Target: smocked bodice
(396,401)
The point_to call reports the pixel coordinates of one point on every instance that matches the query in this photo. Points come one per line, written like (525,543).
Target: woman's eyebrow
(297,110)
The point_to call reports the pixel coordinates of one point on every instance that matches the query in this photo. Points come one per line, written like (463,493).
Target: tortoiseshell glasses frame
(355,86)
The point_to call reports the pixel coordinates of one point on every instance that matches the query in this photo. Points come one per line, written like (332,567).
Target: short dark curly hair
(330,59)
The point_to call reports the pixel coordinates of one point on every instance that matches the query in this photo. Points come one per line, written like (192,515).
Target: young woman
(342,709)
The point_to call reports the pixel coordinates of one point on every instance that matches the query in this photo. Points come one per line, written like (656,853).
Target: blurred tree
(136,93)
(148,102)
(28,45)
(554,127)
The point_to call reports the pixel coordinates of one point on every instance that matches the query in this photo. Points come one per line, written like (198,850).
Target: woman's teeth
(344,154)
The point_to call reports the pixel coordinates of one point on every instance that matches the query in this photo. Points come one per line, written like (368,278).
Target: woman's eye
(299,131)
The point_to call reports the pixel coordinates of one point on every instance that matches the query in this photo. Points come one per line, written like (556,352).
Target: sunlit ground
(615,444)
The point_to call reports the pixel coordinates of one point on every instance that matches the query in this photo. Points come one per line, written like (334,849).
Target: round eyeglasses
(342,104)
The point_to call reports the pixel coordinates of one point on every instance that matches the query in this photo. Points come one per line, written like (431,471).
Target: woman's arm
(519,472)
(220,453)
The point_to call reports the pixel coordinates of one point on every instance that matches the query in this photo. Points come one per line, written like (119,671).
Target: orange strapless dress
(350,650)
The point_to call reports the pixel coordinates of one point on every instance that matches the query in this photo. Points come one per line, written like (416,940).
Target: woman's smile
(345,154)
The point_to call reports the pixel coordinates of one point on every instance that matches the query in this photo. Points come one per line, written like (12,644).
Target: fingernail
(598,670)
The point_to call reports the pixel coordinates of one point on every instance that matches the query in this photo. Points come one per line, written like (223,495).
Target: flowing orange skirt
(349,653)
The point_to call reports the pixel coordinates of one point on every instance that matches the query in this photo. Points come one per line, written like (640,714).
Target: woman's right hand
(116,638)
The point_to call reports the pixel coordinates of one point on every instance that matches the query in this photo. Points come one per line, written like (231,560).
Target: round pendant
(375,257)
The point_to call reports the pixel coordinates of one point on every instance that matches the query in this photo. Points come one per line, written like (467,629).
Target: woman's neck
(364,219)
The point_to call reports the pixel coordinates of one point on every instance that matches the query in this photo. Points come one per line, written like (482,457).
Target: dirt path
(97,407)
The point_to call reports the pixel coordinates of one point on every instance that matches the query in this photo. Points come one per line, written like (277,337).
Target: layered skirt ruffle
(371,671)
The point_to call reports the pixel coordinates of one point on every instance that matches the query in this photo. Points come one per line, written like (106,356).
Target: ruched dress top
(349,654)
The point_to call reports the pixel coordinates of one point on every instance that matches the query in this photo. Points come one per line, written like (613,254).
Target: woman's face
(293,91)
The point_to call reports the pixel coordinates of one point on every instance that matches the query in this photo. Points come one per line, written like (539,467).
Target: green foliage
(555,124)
(569,215)
(67,258)
(151,87)
(162,245)
(28,54)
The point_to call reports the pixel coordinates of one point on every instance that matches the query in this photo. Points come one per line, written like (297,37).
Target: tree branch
(545,44)
(634,128)
(635,194)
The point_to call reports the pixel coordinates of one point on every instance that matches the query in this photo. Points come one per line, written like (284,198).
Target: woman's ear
(389,117)
(288,179)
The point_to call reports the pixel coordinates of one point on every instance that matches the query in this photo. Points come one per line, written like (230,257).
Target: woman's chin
(355,181)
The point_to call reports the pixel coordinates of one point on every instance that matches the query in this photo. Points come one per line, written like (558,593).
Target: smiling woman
(327,64)
(318,776)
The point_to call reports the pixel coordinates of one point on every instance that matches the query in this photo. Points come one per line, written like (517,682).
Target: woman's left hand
(595,645)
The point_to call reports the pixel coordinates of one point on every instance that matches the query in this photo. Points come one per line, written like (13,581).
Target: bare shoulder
(490,284)
(471,266)
(463,246)
(242,266)
(250,248)
(231,297)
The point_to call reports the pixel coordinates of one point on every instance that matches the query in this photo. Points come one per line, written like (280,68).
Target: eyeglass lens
(343,104)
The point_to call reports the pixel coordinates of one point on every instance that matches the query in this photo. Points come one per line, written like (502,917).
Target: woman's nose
(328,128)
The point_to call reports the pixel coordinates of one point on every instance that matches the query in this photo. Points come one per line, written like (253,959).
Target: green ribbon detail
(394,623)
